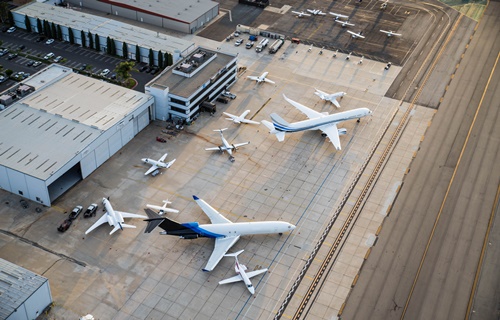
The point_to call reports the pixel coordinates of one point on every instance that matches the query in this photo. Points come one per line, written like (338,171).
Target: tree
(123,69)
(137,53)
(125,50)
(151,57)
(59,33)
(39,26)
(82,36)
(91,41)
(4,11)
(54,31)
(71,36)
(46,28)
(11,18)
(108,45)
(170,59)
(97,43)
(27,22)
(113,47)
(160,59)
(165,60)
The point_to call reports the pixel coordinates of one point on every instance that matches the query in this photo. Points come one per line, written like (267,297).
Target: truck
(276,46)
(262,44)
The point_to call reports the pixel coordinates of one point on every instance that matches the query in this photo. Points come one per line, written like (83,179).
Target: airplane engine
(234,148)
(190,236)
(342,131)
(220,149)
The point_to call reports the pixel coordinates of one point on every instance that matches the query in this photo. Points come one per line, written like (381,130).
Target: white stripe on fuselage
(247,228)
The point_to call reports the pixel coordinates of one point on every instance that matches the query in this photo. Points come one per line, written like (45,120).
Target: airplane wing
(130,215)
(163,157)
(231,280)
(153,168)
(267,80)
(102,220)
(222,245)
(216,148)
(307,111)
(232,116)
(252,274)
(249,121)
(253,78)
(335,102)
(214,216)
(240,144)
(333,134)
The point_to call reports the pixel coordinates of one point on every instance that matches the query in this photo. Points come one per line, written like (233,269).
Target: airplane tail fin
(167,202)
(155,220)
(220,130)
(279,134)
(235,254)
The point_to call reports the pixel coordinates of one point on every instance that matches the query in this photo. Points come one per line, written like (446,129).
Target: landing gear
(281,233)
(231,159)
(323,135)
(358,121)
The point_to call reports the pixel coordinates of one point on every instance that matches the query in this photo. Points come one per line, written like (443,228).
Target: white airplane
(316,12)
(114,218)
(226,146)
(162,209)
(242,275)
(391,33)
(345,23)
(301,14)
(356,35)
(338,15)
(330,97)
(225,232)
(240,119)
(317,121)
(157,164)
(261,78)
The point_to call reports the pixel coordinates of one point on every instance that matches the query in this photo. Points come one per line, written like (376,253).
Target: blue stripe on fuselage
(284,128)
(195,226)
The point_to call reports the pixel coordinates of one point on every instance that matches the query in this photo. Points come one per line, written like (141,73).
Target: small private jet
(113,218)
(261,78)
(344,23)
(316,12)
(157,164)
(391,33)
(356,35)
(338,15)
(240,119)
(226,146)
(225,232)
(301,14)
(242,275)
(330,97)
(162,209)
(323,121)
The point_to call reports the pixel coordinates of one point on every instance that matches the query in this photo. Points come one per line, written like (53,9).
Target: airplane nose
(291,227)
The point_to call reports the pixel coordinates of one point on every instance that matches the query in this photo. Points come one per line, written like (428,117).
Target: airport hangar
(181,90)
(65,129)
(186,16)
(90,24)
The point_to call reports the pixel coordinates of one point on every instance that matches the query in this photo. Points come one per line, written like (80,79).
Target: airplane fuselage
(315,123)
(112,216)
(152,162)
(240,269)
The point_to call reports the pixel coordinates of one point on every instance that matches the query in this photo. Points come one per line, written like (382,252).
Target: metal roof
(16,286)
(49,127)
(105,27)
(185,11)
(184,86)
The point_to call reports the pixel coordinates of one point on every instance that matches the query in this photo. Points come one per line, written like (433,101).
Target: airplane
(225,232)
(383,6)
(242,275)
(330,97)
(391,33)
(338,15)
(344,23)
(114,218)
(316,12)
(356,35)
(162,209)
(317,121)
(157,164)
(226,146)
(240,119)
(301,14)
(262,78)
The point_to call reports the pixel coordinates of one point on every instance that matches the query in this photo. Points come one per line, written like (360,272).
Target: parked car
(30,63)
(4,51)
(36,64)
(40,39)
(2,79)
(11,29)
(143,68)
(58,59)
(12,56)
(249,44)
(50,41)
(21,47)
(75,212)
(229,95)
(83,66)
(91,211)
(104,72)
(160,139)
(238,42)
(236,33)
(49,56)
(65,225)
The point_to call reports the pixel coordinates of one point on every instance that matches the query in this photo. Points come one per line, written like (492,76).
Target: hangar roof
(184,86)
(16,286)
(105,27)
(50,126)
(185,11)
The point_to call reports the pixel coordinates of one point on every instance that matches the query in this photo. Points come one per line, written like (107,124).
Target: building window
(38,199)
(20,192)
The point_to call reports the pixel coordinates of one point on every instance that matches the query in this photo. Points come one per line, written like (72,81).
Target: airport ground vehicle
(222,99)
(262,44)
(249,44)
(238,42)
(91,211)
(64,225)
(229,95)
(75,212)
(276,46)
(160,139)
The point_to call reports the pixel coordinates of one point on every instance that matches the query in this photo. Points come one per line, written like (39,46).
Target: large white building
(186,16)
(64,130)
(91,25)
(182,88)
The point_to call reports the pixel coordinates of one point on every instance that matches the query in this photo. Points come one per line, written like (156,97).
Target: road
(425,262)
